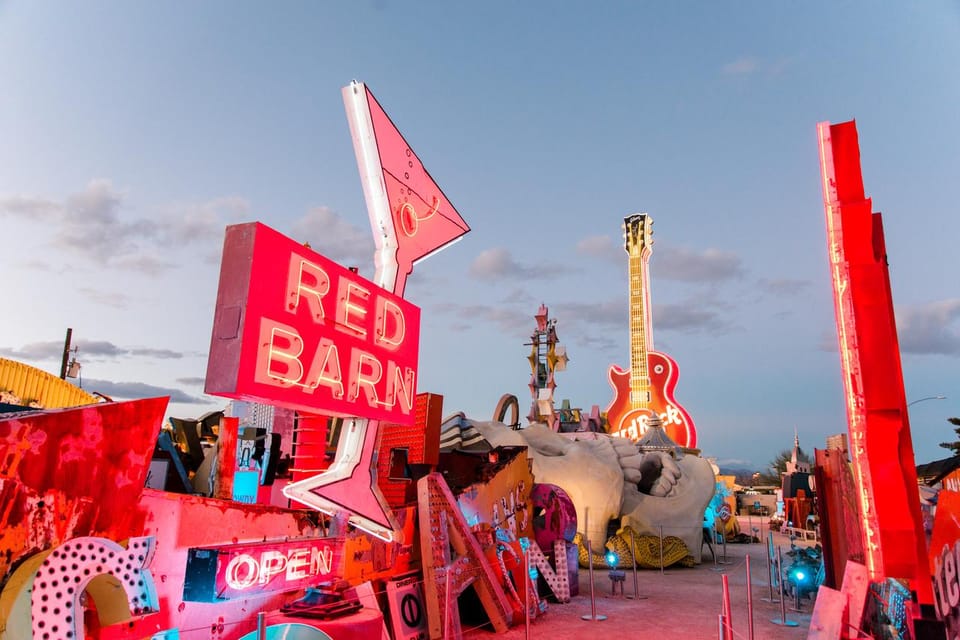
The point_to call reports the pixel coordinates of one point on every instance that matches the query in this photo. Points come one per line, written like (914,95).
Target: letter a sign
(411,217)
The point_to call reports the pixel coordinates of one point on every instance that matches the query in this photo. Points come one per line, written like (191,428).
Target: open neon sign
(294,328)
(244,570)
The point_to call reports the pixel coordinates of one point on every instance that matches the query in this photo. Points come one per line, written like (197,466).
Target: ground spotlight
(612,559)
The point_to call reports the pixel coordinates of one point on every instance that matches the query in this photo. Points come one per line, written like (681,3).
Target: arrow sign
(411,220)
(411,217)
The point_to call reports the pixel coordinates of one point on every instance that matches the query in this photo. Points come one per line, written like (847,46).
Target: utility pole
(66,355)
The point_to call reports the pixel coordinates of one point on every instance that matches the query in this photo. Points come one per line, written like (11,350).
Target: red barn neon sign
(294,328)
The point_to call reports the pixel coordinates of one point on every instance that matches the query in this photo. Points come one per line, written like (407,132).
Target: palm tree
(955,445)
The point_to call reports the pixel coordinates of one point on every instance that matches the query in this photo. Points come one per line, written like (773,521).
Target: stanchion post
(261,626)
(727,609)
(526,588)
(749,601)
(633,557)
(661,549)
(723,543)
(593,599)
(783,605)
(768,548)
(720,626)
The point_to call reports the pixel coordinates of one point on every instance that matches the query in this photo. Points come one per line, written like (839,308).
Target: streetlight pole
(927,398)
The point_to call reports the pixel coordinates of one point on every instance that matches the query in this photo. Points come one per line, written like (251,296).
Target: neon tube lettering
(387,309)
(349,311)
(237,580)
(410,221)
(402,381)
(278,358)
(313,291)
(325,369)
(359,359)
(244,570)
(272,563)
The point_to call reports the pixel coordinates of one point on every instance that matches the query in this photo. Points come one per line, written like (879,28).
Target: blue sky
(131,133)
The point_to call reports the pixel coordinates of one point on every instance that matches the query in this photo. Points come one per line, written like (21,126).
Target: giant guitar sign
(647,387)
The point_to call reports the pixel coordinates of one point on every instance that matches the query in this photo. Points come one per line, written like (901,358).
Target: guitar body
(631,423)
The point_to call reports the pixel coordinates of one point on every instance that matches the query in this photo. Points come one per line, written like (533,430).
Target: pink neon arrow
(411,219)
(410,215)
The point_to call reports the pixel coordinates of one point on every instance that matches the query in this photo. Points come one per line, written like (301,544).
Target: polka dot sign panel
(98,566)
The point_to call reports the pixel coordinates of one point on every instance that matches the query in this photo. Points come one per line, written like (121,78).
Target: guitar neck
(640,333)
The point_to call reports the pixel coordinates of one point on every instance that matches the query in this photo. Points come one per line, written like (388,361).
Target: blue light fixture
(612,559)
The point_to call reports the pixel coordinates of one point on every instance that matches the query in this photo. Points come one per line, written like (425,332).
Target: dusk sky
(132,133)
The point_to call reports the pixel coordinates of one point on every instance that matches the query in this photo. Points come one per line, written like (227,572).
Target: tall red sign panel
(881,448)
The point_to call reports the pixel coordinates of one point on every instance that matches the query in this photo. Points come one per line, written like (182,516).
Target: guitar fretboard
(640,332)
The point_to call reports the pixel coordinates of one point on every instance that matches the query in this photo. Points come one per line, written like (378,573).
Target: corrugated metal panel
(30,383)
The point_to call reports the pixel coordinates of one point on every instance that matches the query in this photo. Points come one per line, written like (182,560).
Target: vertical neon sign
(880,440)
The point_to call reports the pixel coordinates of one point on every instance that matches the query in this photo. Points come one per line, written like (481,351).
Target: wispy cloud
(601,247)
(924,329)
(203,222)
(611,313)
(689,318)
(97,349)
(136,390)
(95,224)
(707,266)
(741,66)
(932,328)
(106,298)
(193,382)
(498,264)
(328,233)
(782,286)
(519,296)
(508,320)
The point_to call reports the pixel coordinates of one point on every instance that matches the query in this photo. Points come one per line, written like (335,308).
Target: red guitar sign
(647,387)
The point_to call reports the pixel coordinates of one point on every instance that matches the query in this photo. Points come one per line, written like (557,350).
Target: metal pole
(768,549)
(783,605)
(727,609)
(749,601)
(720,626)
(66,355)
(593,600)
(713,546)
(526,588)
(261,626)
(633,557)
(661,549)
(723,543)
